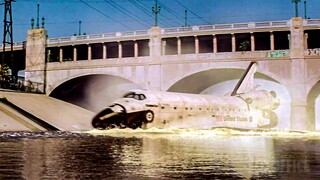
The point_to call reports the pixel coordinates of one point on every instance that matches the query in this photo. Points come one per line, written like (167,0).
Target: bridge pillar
(215,44)
(75,57)
(301,117)
(179,45)
(155,43)
(163,47)
(271,41)
(48,55)
(296,38)
(60,54)
(104,49)
(196,44)
(253,45)
(306,41)
(35,74)
(298,84)
(119,50)
(136,49)
(89,52)
(233,42)
(153,69)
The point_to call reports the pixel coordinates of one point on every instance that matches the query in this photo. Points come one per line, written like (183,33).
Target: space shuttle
(244,107)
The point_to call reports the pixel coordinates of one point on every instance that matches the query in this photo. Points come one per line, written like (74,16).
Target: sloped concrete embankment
(37,112)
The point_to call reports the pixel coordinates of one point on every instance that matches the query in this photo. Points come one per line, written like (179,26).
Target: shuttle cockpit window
(142,97)
(135,96)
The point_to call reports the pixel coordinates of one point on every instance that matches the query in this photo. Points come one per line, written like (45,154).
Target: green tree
(244,46)
(4,70)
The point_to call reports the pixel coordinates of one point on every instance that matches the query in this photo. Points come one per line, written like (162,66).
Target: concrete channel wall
(38,112)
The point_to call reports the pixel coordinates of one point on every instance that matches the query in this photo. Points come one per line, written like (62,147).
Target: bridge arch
(55,80)
(92,91)
(196,82)
(223,80)
(231,70)
(313,105)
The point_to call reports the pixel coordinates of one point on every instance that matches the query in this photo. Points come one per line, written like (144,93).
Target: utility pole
(185,18)
(296,6)
(156,10)
(7,33)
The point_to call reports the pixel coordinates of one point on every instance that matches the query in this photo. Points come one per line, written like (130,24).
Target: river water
(160,154)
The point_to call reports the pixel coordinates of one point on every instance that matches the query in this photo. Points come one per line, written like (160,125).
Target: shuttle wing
(246,83)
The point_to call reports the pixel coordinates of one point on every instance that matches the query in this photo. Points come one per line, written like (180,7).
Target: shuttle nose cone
(114,116)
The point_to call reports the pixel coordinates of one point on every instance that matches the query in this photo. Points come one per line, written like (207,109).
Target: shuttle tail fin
(246,83)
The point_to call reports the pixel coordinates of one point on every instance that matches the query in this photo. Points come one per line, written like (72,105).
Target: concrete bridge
(186,59)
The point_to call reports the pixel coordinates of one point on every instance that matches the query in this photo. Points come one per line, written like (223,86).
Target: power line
(141,6)
(170,11)
(115,5)
(192,12)
(105,15)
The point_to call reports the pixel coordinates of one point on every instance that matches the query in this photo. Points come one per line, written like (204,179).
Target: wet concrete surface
(59,114)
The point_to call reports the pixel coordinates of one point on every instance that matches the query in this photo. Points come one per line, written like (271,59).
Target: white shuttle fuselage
(179,110)
(141,108)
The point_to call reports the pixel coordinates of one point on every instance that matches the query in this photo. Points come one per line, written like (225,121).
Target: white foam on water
(205,132)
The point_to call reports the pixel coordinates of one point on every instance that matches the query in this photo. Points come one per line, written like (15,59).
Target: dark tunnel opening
(93,92)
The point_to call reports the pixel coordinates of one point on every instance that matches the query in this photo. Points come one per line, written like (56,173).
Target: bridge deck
(59,114)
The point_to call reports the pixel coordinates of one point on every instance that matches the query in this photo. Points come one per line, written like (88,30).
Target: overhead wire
(140,6)
(192,12)
(161,14)
(115,5)
(105,15)
(170,11)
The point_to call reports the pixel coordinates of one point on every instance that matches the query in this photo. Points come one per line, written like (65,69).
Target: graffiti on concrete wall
(314,51)
(275,54)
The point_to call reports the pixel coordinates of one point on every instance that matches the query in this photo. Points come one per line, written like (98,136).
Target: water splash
(286,133)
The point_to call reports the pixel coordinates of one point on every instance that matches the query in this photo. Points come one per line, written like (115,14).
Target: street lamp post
(79,28)
(32,23)
(305,9)
(296,5)
(185,18)
(42,22)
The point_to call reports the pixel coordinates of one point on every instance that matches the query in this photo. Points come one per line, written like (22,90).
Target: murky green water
(188,154)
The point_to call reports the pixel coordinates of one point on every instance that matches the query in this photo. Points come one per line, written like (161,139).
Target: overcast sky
(101,16)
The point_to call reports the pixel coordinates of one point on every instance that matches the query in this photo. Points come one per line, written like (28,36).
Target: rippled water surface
(153,154)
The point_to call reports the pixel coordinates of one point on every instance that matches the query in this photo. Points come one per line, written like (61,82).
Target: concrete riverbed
(38,112)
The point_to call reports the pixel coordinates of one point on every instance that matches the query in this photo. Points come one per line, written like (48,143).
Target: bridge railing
(19,44)
(311,22)
(235,26)
(98,36)
(251,25)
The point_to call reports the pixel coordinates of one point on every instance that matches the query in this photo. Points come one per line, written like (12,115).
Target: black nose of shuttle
(108,118)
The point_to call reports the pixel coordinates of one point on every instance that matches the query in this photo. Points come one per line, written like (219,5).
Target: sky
(102,16)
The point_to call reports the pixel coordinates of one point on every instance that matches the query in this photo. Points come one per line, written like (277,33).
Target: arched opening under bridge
(220,82)
(93,92)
